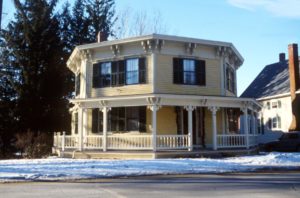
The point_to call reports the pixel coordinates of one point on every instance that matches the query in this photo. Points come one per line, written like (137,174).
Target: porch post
(252,123)
(84,126)
(80,129)
(214,125)
(246,129)
(154,109)
(190,110)
(104,137)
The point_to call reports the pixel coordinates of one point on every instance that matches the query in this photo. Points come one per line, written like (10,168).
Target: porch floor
(134,154)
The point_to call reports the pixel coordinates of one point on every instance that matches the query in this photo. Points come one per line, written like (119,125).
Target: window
(120,119)
(268,105)
(109,74)
(132,71)
(274,105)
(188,71)
(230,79)
(275,123)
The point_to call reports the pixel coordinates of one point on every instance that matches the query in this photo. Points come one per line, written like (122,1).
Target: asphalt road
(228,185)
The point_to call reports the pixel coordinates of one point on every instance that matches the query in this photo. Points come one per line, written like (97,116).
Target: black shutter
(77,85)
(96,75)
(142,70)
(121,75)
(95,120)
(142,119)
(200,72)
(114,73)
(177,71)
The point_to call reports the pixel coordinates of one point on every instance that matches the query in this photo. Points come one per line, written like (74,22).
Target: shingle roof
(272,80)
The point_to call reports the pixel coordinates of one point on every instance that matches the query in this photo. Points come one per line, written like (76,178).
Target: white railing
(129,142)
(172,141)
(93,142)
(61,140)
(231,141)
(235,140)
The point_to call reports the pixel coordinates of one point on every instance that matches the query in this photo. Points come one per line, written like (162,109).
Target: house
(156,94)
(277,88)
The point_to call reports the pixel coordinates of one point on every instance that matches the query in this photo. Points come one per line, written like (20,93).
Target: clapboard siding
(164,78)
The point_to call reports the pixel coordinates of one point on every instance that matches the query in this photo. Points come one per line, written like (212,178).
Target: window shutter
(114,73)
(121,77)
(177,71)
(200,72)
(96,75)
(142,119)
(77,85)
(95,120)
(142,70)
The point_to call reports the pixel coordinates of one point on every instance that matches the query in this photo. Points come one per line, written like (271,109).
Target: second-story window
(189,71)
(119,73)
(230,79)
(132,71)
(105,76)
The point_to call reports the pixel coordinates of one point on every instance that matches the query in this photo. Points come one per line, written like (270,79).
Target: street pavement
(248,185)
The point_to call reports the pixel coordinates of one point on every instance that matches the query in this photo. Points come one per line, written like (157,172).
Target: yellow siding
(164,78)
(166,121)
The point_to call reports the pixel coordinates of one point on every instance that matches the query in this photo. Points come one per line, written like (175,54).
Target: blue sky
(259,29)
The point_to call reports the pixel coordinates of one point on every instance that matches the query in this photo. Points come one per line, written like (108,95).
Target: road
(251,185)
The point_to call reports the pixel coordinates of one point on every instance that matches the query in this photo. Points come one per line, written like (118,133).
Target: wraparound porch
(155,139)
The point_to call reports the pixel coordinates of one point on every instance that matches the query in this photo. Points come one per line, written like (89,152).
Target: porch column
(154,109)
(80,129)
(190,110)
(246,129)
(214,125)
(104,137)
(253,127)
(84,126)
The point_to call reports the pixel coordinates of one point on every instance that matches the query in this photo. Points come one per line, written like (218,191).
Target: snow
(69,169)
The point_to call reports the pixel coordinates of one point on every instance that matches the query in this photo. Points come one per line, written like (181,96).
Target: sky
(259,29)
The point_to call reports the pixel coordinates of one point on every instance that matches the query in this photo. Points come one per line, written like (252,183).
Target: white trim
(275,96)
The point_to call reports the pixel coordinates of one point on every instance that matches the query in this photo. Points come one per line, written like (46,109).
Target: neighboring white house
(274,88)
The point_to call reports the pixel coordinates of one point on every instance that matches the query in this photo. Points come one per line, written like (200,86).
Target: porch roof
(167,100)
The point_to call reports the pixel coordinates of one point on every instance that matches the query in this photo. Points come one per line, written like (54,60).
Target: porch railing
(235,140)
(128,142)
(172,142)
(93,142)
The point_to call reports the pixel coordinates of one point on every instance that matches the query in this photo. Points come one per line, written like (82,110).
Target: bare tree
(136,23)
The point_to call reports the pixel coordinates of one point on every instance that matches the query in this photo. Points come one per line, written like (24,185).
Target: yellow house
(157,93)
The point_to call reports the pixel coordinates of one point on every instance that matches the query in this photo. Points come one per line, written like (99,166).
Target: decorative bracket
(154,103)
(86,55)
(152,45)
(116,50)
(189,108)
(203,102)
(190,47)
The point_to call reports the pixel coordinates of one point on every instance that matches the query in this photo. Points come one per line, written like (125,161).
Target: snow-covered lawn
(65,169)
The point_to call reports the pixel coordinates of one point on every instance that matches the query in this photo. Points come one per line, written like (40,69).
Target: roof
(272,80)
(91,46)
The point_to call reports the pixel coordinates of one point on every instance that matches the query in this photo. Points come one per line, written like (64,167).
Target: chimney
(101,36)
(294,86)
(281,57)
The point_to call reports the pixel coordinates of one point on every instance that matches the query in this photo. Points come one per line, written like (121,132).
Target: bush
(34,145)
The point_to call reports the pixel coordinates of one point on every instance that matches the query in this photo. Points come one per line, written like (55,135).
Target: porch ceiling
(167,100)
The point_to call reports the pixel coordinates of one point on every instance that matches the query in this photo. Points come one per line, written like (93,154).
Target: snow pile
(66,169)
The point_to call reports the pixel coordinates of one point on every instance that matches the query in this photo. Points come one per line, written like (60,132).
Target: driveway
(225,185)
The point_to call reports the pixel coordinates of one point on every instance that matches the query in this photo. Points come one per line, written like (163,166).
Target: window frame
(230,79)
